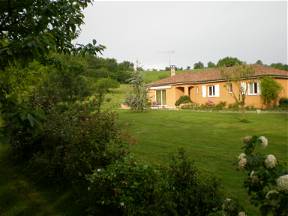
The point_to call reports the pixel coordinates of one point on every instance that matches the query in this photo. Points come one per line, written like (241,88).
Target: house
(209,86)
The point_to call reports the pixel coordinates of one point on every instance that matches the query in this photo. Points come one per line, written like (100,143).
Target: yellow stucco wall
(195,92)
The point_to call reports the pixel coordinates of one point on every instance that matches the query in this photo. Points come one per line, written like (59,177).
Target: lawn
(213,140)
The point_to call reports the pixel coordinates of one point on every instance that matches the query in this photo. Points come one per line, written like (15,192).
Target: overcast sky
(195,31)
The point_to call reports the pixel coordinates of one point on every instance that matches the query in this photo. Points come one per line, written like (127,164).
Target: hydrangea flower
(282,182)
(263,141)
(242,163)
(247,139)
(241,214)
(267,196)
(270,161)
(242,155)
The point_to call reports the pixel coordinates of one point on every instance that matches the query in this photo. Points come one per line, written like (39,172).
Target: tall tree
(259,62)
(137,100)
(198,65)
(211,64)
(229,62)
(236,77)
(29,29)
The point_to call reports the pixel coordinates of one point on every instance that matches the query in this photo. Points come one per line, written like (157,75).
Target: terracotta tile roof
(214,75)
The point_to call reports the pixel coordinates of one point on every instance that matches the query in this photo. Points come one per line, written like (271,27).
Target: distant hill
(151,76)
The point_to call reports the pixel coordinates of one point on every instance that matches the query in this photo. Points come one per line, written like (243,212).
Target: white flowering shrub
(267,178)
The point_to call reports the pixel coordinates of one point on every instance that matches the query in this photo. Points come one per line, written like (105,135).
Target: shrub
(221,105)
(126,188)
(192,106)
(270,90)
(283,102)
(182,100)
(267,179)
(130,188)
(234,106)
(76,142)
(191,193)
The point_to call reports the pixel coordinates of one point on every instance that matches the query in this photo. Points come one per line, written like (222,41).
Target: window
(211,91)
(229,87)
(253,88)
(214,91)
(161,97)
(197,90)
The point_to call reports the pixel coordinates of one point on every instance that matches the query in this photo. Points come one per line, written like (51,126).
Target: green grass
(151,76)
(19,195)
(213,141)
(116,97)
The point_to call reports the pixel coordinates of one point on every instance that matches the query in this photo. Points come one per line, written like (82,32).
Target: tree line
(232,61)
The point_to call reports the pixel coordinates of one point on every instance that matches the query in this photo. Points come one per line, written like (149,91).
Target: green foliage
(126,188)
(211,64)
(192,194)
(103,87)
(236,75)
(75,142)
(283,102)
(228,62)
(182,100)
(280,66)
(267,178)
(209,105)
(137,100)
(198,65)
(130,188)
(259,62)
(109,68)
(32,29)
(270,90)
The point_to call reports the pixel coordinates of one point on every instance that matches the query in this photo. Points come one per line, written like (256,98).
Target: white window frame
(161,97)
(253,88)
(213,91)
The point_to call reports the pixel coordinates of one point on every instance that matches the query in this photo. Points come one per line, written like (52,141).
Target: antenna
(170,53)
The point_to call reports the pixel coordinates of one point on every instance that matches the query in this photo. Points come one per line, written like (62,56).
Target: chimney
(172,69)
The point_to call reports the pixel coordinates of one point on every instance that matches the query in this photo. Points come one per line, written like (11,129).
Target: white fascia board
(160,87)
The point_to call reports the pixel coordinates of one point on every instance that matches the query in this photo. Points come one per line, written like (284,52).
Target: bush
(283,102)
(221,105)
(234,106)
(270,90)
(182,100)
(130,188)
(267,179)
(76,142)
(192,106)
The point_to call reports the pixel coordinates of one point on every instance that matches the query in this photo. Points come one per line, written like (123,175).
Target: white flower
(98,170)
(241,214)
(282,182)
(242,155)
(228,200)
(271,192)
(89,188)
(270,161)
(252,173)
(122,204)
(242,163)
(247,139)
(264,141)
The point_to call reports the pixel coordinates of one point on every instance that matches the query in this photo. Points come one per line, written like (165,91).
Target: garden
(66,150)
